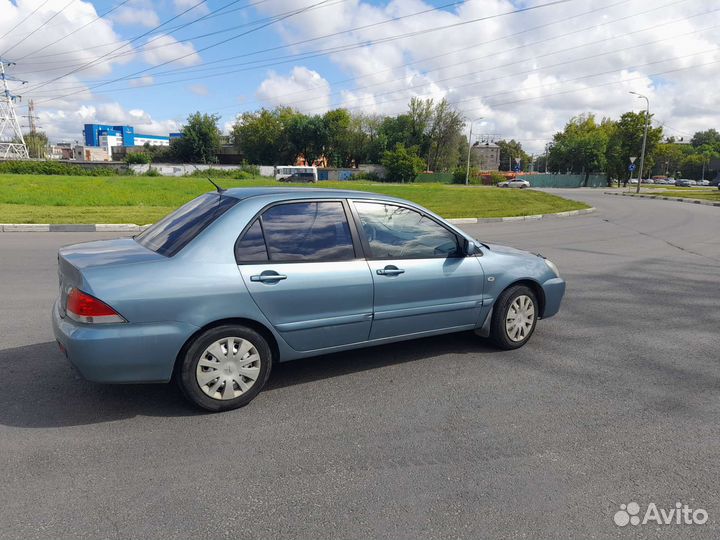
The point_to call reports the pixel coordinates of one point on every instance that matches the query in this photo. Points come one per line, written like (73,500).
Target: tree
(582,146)
(626,141)
(402,164)
(709,137)
(262,136)
(200,141)
(445,130)
(668,158)
(337,124)
(509,150)
(307,136)
(37,143)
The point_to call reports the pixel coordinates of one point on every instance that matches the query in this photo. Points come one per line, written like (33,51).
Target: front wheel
(224,368)
(514,317)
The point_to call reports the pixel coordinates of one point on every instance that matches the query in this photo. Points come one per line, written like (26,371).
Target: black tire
(498,330)
(187,366)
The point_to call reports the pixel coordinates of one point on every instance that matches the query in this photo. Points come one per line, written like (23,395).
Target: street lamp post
(642,152)
(467,168)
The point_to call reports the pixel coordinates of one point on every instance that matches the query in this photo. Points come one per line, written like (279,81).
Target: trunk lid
(73,260)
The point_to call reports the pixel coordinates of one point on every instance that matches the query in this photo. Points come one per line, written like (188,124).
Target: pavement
(615,400)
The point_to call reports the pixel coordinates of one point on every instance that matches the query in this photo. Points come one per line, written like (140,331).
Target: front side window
(298,232)
(395,232)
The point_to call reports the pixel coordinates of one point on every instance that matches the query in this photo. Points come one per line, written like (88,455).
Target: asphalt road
(617,399)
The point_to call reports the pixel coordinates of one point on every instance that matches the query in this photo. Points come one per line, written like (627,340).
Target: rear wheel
(225,368)
(514,317)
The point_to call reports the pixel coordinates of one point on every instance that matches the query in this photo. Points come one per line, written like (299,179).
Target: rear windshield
(172,233)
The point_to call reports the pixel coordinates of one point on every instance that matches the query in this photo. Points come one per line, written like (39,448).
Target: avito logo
(681,514)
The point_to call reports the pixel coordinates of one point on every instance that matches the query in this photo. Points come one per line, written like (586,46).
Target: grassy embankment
(142,200)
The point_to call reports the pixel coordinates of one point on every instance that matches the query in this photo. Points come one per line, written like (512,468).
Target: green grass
(142,200)
(707,195)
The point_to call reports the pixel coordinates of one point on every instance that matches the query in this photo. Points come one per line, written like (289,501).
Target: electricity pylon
(12,143)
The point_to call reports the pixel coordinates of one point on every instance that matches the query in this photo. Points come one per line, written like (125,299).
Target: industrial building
(487,155)
(106,137)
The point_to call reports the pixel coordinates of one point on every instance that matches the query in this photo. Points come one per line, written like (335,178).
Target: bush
(475,179)
(152,172)
(402,164)
(245,172)
(367,175)
(54,168)
(138,158)
(496,177)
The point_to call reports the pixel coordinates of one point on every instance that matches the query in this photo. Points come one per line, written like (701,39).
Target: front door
(423,281)
(299,263)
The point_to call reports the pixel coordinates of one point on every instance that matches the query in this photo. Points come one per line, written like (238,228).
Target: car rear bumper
(121,353)
(554,290)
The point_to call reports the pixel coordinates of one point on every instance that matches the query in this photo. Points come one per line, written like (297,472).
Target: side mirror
(469,247)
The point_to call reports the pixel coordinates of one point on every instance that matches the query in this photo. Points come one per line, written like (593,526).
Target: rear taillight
(82,307)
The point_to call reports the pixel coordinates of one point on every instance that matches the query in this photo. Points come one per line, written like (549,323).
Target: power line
(146,48)
(24,19)
(94,62)
(652,27)
(38,28)
(74,31)
(214,13)
(520,10)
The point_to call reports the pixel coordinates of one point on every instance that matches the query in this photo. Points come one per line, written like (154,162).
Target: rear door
(302,263)
(422,280)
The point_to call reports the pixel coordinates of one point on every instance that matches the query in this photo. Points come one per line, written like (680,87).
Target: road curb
(534,217)
(71,227)
(665,198)
(129,227)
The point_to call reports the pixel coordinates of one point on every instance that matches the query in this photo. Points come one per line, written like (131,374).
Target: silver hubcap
(228,368)
(520,318)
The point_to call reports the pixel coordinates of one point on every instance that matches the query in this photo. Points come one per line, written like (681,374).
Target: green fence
(566,180)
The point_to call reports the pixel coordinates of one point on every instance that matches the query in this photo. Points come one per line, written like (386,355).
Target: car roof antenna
(218,188)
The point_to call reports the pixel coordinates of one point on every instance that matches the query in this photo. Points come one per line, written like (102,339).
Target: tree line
(587,145)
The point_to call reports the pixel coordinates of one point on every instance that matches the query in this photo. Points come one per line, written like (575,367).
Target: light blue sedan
(235,280)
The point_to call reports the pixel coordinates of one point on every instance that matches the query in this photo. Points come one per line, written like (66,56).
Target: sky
(515,69)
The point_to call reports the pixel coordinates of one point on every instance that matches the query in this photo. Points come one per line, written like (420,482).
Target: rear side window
(298,232)
(251,247)
(172,233)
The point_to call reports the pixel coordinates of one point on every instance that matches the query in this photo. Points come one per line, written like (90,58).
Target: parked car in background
(703,182)
(236,280)
(285,171)
(670,181)
(683,182)
(648,181)
(661,181)
(633,181)
(515,183)
(692,182)
(300,177)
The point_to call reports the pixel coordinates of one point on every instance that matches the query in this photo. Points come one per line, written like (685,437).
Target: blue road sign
(516,168)
(631,167)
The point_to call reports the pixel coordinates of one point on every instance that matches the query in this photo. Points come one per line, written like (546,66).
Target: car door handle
(268,277)
(390,271)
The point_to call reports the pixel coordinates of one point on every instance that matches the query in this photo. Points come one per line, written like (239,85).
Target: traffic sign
(632,159)
(631,167)
(516,168)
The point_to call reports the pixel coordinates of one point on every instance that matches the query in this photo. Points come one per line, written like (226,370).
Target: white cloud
(145,80)
(199,89)
(301,81)
(182,5)
(166,48)
(527,74)
(141,16)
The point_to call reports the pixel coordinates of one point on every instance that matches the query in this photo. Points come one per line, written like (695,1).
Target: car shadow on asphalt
(40,390)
